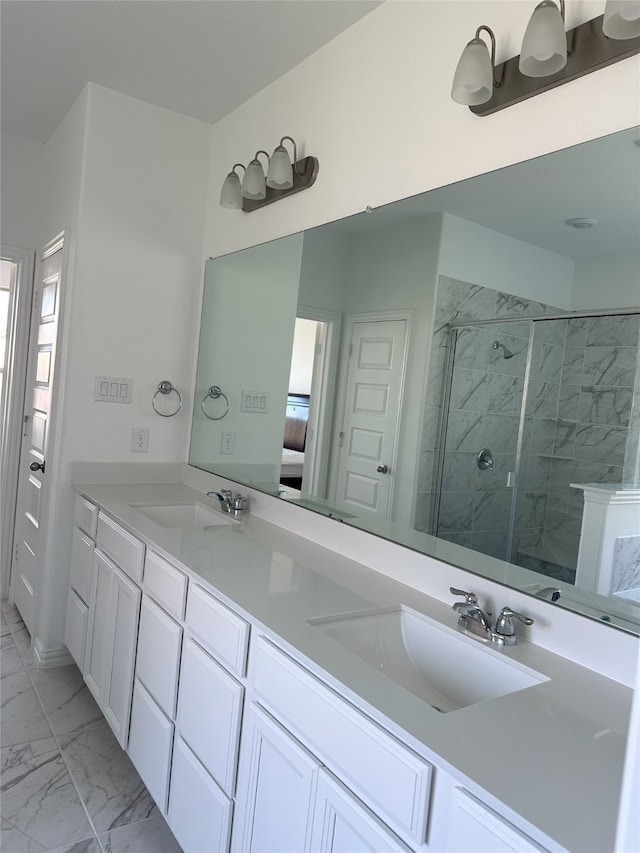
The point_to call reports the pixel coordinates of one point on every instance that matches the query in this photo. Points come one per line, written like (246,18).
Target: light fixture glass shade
(253,185)
(621,19)
(280,173)
(473,80)
(544,46)
(230,194)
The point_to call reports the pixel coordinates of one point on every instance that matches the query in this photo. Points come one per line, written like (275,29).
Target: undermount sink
(193,515)
(436,663)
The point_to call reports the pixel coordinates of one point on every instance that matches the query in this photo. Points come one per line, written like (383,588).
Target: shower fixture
(506,352)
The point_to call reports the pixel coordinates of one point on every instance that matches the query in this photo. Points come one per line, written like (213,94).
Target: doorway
(16,294)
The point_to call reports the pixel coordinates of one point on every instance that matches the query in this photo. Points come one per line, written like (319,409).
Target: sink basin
(438,664)
(192,515)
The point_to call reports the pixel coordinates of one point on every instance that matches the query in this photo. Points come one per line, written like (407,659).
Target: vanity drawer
(86,516)
(125,550)
(218,628)
(158,655)
(81,562)
(166,584)
(385,774)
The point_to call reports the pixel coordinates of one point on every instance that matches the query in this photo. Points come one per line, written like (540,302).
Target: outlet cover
(139,440)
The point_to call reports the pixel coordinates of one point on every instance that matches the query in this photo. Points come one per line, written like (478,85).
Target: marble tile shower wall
(484,411)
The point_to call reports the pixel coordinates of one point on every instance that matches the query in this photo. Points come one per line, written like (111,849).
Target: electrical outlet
(139,439)
(228,443)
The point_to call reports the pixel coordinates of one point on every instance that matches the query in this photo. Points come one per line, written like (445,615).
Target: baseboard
(48,658)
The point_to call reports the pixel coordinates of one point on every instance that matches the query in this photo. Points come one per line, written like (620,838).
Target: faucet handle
(469,597)
(505,624)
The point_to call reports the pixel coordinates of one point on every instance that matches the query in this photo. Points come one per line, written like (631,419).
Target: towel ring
(165,387)
(215,392)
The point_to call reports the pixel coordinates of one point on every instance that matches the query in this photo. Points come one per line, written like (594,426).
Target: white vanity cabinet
(80,570)
(374,790)
(112,629)
(155,689)
(289,803)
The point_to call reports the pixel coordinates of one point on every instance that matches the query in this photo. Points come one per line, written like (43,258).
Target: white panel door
(369,432)
(27,570)
(276,787)
(342,824)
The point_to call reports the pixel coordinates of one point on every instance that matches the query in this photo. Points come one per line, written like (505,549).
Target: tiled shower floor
(66,785)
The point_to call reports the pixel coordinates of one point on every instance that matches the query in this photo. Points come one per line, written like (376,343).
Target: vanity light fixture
(231,192)
(283,178)
(550,56)
(474,79)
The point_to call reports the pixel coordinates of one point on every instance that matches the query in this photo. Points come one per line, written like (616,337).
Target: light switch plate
(256,402)
(113,389)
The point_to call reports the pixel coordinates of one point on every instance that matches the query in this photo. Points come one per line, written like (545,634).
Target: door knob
(382,469)
(37,466)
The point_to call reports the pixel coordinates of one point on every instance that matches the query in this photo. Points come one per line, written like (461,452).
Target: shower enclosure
(530,407)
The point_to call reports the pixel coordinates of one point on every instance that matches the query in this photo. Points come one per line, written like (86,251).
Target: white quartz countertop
(553,753)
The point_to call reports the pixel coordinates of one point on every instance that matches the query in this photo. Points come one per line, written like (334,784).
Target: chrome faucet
(476,621)
(549,593)
(232,504)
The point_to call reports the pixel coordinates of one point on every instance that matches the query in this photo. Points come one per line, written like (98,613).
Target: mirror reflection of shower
(505,352)
(558,408)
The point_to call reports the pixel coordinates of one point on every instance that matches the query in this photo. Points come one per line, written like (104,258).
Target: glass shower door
(479,436)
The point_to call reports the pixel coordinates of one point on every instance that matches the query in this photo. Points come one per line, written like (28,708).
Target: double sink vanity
(275,695)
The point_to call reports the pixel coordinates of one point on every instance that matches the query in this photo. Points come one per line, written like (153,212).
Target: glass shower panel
(483,413)
(578,426)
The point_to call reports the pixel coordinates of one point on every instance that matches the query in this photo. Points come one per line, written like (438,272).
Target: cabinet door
(276,787)
(212,735)
(99,631)
(150,743)
(199,812)
(342,824)
(75,629)
(475,828)
(81,564)
(158,658)
(124,613)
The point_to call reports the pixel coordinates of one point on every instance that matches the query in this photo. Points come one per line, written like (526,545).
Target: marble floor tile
(39,799)
(21,636)
(14,840)
(10,660)
(4,625)
(89,845)
(147,836)
(108,783)
(22,718)
(11,614)
(66,699)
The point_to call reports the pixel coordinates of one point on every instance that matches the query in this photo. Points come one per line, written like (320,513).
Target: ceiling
(200,58)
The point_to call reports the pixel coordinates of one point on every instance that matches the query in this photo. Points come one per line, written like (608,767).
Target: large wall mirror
(447,371)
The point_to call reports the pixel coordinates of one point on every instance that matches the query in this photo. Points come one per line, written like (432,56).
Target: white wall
(302,356)
(373,105)
(128,180)
(470,252)
(607,280)
(21,162)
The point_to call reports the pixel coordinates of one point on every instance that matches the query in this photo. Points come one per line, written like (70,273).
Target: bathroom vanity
(281,696)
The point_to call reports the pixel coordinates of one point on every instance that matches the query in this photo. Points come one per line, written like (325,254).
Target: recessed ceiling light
(581,223)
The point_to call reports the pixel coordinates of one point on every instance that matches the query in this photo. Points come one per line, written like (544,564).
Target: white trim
(48,658)
(12,409)
(321,414)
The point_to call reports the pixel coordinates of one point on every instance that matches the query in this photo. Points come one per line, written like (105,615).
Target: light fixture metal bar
(589,50)
(305,172)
